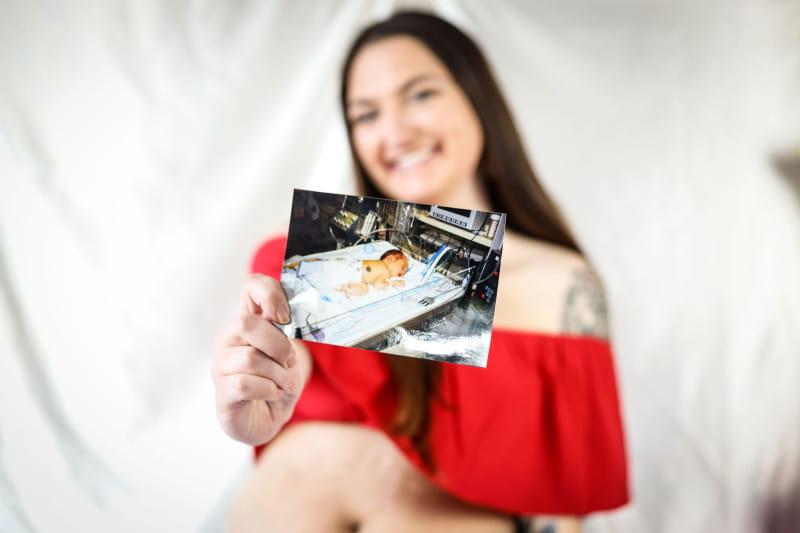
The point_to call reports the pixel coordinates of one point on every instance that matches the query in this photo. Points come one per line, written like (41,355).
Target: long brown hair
(504,168)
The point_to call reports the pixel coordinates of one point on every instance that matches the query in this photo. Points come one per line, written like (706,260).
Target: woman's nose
(397,131)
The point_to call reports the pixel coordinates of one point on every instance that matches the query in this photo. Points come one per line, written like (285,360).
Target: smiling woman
(350,439)
(413,129)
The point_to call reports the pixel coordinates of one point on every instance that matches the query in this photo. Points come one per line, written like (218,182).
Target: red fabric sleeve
(268,259)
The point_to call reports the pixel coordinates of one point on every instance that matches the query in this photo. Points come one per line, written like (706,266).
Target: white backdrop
(147,147)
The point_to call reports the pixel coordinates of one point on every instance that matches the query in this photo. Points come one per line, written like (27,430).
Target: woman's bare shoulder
(584,309)
(559,291)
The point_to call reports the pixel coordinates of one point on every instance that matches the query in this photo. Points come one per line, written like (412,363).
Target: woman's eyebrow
(416,79)
(359,102)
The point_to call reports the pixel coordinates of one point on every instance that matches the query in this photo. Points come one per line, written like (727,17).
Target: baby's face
(398,266)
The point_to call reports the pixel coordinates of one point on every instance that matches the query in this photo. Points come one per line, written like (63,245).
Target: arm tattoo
(585,310)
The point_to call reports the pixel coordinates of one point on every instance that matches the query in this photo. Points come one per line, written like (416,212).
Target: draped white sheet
(148,146)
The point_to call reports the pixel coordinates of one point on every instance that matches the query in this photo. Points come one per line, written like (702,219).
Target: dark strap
(522,524)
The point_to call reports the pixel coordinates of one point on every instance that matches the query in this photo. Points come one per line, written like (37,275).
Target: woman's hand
(258,371)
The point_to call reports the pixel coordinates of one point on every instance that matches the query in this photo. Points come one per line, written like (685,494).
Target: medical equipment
(469,219)
(495,220)
(434,261)
(436,305)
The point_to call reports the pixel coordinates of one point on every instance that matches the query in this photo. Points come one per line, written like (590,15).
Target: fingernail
(291,361)
(284,315)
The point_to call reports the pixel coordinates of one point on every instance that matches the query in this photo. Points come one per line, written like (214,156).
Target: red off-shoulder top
(538,431)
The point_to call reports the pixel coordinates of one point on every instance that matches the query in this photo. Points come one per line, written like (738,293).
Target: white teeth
(413,159)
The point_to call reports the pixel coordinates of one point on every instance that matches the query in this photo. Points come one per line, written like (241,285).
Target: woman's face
(413,128)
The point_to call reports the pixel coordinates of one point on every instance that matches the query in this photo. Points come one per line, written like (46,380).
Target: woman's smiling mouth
(413,159)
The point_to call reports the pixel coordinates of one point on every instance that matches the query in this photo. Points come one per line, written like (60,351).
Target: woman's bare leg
(293,487)
(333,477)
(393,496)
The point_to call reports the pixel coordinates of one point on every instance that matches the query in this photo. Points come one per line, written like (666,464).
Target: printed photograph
(396,277)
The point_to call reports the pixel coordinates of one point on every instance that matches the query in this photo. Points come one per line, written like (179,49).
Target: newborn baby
(378,273)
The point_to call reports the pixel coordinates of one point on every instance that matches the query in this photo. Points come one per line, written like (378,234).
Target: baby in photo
(380,273)
(358,275)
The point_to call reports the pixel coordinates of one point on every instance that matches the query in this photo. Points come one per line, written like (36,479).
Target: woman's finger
(229,336)
(263,335)
(249,360)
(263,295)
(239,388)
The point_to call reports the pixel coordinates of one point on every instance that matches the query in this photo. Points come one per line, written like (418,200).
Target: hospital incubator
(443,309)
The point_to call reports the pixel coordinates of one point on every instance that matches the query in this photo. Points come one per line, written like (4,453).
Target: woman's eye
(422,95)
(364,117)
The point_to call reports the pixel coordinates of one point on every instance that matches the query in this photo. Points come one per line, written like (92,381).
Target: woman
(393,443)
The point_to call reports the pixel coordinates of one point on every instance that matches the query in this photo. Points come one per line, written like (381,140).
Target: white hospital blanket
(315,303)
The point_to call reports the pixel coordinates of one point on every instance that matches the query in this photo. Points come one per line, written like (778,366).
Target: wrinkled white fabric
(147,147)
